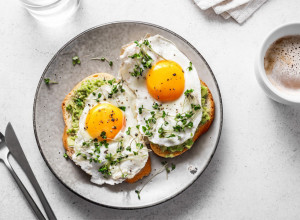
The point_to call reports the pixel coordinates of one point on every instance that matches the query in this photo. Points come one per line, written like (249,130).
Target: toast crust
(68,121)
(144,172)
(200,130)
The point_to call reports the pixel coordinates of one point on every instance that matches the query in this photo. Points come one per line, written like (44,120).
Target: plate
(106,40)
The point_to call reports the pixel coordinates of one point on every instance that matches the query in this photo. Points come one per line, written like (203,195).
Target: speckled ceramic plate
(106,40)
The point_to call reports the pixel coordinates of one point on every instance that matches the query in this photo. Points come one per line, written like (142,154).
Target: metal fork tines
(4,153)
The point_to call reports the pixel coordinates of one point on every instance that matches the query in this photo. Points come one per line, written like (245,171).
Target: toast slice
(202,128)
(68,124)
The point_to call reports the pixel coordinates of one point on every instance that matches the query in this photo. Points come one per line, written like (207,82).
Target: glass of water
(51,11)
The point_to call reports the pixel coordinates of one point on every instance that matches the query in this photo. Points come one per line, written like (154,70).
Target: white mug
(264,82)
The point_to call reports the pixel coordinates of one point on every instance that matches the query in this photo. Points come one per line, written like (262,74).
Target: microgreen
(76,60)
(103,135)
(47,81)
(128,131)
(110,63)
(123,108)
(190,68)
(65,155)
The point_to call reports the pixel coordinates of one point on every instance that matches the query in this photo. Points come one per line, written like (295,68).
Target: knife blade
(17,152)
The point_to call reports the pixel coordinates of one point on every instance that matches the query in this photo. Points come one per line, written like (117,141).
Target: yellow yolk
(104,117)
(165,81)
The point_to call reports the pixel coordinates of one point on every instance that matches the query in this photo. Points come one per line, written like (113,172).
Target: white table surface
(255,173)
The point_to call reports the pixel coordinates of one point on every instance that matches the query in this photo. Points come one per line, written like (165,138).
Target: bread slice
(68,124)
(200,130)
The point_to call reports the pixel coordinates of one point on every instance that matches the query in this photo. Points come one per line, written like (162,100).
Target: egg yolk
(165,81)
(104,117)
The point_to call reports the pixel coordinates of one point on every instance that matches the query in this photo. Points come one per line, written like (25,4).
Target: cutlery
(4,152)
(17,152)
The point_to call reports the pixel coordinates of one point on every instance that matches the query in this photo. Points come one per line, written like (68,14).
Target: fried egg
(109,145)
(167,87)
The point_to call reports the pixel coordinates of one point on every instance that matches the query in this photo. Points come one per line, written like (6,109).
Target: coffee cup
(268,87)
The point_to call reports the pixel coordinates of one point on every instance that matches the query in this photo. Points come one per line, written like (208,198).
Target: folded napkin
(240,10)
(228,5)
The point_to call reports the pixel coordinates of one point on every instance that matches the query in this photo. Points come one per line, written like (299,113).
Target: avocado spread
(76,105)
(205,117)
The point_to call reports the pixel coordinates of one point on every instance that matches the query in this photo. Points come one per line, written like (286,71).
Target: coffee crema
(282,64)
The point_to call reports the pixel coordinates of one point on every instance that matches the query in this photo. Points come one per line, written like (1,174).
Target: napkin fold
(239,10)
(206,4)
(228,5)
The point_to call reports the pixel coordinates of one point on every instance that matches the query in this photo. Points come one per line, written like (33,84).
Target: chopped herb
(65,155)
(190,68)
(110,63)
(164,163)
(167,169)
(48,81)
(121,88)
(128,131)
(190,124)
(76,60)
(196,107)
(111,82)
(140,145)
(161,132)
(135,153)
(173,166)
(143,57)
(103,135)
(104,143)
(128,148)
(188,92)
(109,157)
(164,114)
(138,126)
(156,106)
(119,150)
(138,193)
(178,128)
(137,71)
(141,109)
(78,102)
(105,170)
(115,89)
(123,108)
(171,135)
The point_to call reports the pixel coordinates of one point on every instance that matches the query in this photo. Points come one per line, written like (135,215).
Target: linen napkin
(243,12)
(206,4)
(239,10)
(228,5)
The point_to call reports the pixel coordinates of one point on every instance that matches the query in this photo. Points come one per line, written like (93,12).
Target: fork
(4,153)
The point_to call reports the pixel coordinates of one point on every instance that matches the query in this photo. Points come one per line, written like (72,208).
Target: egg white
(128,167)
(166,49)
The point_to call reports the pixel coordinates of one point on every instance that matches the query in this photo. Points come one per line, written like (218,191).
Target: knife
(17,152)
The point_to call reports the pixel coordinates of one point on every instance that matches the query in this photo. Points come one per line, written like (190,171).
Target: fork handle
(32,203)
